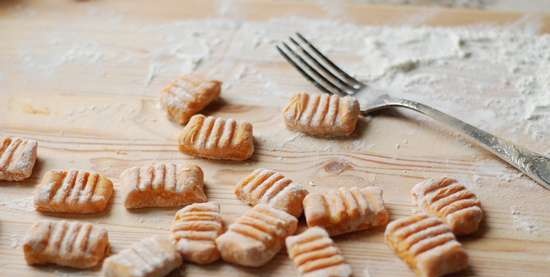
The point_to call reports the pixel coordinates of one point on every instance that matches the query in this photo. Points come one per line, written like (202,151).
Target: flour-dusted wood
(154,256)
(17,158)
(103,116)
(73,191)
(67,243)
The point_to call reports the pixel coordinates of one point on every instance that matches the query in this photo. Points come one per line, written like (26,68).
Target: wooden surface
(110,120)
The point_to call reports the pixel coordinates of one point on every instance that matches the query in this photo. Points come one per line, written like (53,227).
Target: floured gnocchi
(188,95)
(346,209)
(427,245)
(67,243)
(451,202)
(257,236)
(322,114)
(217,138)
(271,188)
(162,185)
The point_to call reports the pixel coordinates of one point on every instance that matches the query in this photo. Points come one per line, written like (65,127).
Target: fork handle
(532,164)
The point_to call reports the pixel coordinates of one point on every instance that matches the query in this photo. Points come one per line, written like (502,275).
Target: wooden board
(107,121)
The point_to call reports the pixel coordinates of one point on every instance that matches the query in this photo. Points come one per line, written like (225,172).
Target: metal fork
(330,78)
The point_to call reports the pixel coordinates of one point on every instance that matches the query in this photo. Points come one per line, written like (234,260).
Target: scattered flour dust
(21,204)
(507,5)
(445,3)
(524,223)
(450,68)
(497,78)
(14,241)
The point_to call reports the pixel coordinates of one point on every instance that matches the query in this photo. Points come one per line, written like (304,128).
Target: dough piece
(322,114)
(451,202)
(67,243)
(272,188)
(73,191)
(155,256)
(427,245)
(188,95)
(17,158)
(162,185)
(195,230)
(217,138)
(346,210)
(256,237)
(316,255)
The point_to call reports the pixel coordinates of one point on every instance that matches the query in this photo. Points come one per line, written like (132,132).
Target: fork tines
(317,68)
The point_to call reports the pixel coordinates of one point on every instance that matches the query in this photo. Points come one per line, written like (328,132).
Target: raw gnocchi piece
(67,243)
(17,158)
(73,191)
(162,185)
(272,188)
(427,245)
(217,138)
(451,202)
(346,209)
(322,114)
(316,255)
(257,236)
(195,229)
(188,95)
(151,257)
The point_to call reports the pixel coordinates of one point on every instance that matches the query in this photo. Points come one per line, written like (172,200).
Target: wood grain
(110,122)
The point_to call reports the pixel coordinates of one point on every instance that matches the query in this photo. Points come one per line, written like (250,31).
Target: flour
(21,204)
(153,71)
(186,57)
(524,223)
(55,55)
(14,241)
(224,7)
(108,16)
(333,9)
(477,4)
(393,50)
(405,61)
(22,11)
(291,139)
(507,5)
